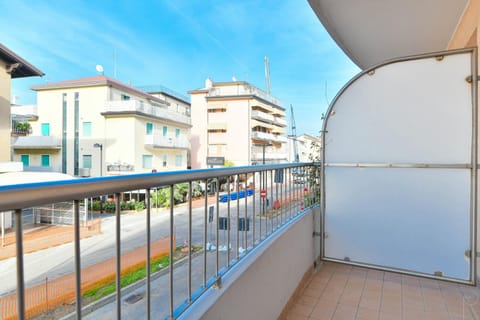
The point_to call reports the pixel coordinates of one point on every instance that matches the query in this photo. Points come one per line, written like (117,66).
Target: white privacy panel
(411,219)
(398,161)
(415,111)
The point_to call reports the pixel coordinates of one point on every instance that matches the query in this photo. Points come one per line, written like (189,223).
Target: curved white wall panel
(398,162)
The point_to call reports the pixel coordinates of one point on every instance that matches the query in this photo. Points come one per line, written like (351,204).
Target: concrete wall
(198,133)
(261,285)
(4,114)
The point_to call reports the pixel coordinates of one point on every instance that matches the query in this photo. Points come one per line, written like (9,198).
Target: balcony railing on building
(264,136)
(269,118)
(37,142)
(145,108)
(159,141)
(242,89)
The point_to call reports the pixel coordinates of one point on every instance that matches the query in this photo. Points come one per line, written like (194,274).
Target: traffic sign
(263,193)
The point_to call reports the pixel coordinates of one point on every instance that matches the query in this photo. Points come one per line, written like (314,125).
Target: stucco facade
(236,121)
(100,126)
(11,66)
(4,113)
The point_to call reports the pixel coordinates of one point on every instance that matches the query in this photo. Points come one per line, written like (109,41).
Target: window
(178,160)
(147,161)
(165,158)
(217,110)
(45,159)
(25,158)
(45,129)
(125,97)
(87,161)
(177,133)
(87,129)
(165,130)
(149,128)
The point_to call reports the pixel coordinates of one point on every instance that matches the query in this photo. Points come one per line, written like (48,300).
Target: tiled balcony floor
(338,291)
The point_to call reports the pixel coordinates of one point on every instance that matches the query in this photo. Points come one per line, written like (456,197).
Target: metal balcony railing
(140,106)
(157,140)
(224,226)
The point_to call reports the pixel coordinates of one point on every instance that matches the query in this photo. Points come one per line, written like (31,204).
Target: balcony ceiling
(373,31)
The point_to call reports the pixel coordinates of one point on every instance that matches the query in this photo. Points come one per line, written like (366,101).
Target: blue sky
(178,44)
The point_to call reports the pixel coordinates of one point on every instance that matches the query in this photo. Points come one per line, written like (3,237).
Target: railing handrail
(25,195)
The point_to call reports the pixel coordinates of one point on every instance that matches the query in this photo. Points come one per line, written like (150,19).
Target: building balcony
(259,115)
(136,106)
(42,168)
(262,116)
(280,121)
(159,141)
(269,156)
(268,137)
(242,89)
(36,142)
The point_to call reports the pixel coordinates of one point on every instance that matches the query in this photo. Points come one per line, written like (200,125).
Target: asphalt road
(57,261)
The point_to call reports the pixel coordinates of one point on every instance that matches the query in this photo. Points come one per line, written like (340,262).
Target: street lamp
(99,145)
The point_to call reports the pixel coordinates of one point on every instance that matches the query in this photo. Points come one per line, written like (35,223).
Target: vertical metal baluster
(282,187)
(253,211)
(261,203)
(271,192)
(228,223)
(118,256)
(246,212)
(265,187)
(290,193)
(217,265)
(190,242)
(148,225)
(20,270)
(237,233)
(277,212)
(171,251)
(296,198)
(78,281)
(205,236)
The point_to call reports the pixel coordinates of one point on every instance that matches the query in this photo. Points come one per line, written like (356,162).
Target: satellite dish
(234,79)
(99,68)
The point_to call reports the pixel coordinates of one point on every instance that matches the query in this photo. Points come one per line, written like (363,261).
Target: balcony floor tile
(339,291)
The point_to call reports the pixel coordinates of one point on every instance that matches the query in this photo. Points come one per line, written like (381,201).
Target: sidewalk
(53,293)
(39,237)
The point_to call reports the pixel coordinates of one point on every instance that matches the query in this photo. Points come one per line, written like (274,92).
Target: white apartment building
(238,122)
(307,148)
(100,126)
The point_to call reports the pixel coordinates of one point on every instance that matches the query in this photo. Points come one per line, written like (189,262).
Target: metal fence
(223,226)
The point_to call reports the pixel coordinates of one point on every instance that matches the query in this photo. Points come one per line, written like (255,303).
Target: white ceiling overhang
(373,31)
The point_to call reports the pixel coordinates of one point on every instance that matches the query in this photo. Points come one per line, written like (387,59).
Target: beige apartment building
(11,67)
(306,146)
(236,122)
(100,126)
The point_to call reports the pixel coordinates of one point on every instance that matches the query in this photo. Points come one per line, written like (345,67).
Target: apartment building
(12,66)
(306,146)
(100,126)
(236,122)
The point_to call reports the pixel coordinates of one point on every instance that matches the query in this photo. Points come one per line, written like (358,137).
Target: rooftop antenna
(99,69)
(267,74)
